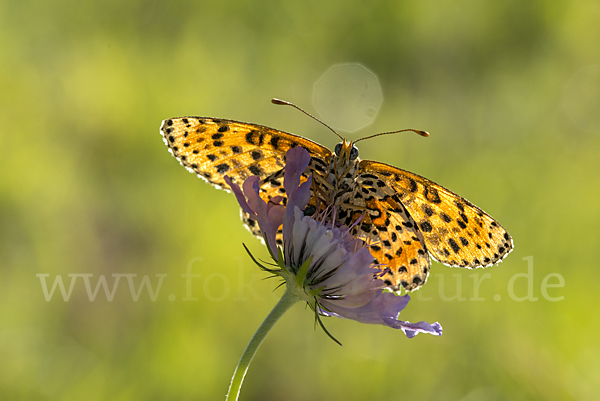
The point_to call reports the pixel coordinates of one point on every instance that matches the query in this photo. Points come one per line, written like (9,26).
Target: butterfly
(405,219)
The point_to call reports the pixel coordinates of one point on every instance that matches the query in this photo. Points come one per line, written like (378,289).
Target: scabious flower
(322,263)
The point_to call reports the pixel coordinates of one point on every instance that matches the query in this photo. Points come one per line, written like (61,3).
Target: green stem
(286,301)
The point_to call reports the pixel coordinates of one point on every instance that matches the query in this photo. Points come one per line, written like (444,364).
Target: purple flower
(322,263)
(268,215)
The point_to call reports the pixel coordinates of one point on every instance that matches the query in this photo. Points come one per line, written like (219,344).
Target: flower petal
(269,216)
(296,243)
(383,309)
(379,307)
(251,190)
(237,191)
(356,274)
(412,329)
(297,160)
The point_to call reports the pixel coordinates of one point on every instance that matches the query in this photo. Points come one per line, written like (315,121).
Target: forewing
(456,232)
(213,148)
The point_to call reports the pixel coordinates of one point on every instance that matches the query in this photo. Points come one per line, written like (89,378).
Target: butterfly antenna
(284,103)
(417,131)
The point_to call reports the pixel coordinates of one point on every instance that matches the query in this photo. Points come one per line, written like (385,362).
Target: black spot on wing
(431,194)
(425,226)
(413,185)
(445,217)
(453,245)
(251,137)
(222,168)
(275,141)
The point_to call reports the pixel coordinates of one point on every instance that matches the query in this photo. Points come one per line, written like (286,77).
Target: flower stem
(286,301)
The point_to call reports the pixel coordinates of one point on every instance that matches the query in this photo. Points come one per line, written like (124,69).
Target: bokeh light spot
(348,97)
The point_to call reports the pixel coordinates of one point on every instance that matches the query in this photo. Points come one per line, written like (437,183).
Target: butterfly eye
(353,153)
(338,148)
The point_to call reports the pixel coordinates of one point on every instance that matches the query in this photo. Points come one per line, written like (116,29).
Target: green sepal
(302,272)
(318,320)
(262,267)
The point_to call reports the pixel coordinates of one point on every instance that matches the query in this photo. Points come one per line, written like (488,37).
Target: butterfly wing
(394,238)
(456,232)
(213,148)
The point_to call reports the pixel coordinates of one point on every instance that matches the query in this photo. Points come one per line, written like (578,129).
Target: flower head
(321,262)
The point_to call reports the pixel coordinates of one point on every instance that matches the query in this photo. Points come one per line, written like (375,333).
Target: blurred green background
(510,92)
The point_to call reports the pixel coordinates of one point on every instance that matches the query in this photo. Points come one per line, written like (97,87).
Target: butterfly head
(346,151)
(344,166)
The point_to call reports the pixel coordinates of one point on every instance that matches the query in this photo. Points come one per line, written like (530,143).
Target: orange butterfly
(406,218)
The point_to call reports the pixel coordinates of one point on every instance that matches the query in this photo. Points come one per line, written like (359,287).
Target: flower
(321,262)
